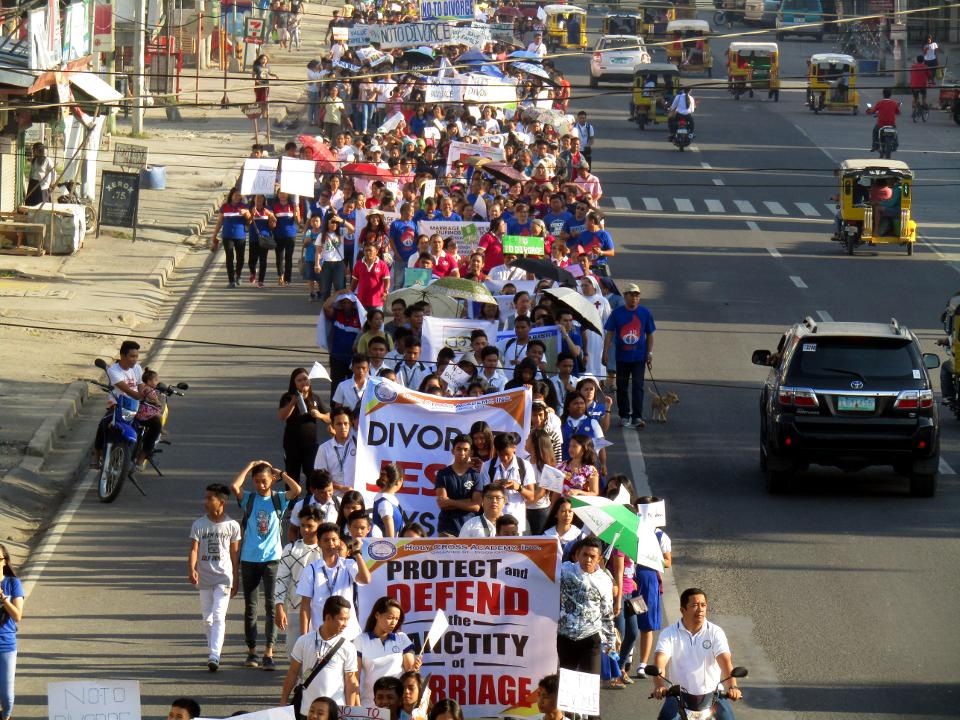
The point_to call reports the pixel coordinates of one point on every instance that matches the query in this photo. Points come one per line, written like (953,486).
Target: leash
(657,389)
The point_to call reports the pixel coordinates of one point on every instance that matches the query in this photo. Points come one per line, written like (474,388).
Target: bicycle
(921,111)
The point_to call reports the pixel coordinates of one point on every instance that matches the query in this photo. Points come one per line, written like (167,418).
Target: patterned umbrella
(620,527)
(462,289)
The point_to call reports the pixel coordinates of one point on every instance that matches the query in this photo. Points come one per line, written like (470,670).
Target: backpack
(248,511)
(522,466)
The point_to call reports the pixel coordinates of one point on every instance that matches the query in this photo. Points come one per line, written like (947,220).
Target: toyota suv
(849,395)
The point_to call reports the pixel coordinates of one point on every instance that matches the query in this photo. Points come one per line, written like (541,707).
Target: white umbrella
(582,309)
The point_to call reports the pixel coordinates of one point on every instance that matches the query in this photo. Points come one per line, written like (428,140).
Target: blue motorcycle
(123,439)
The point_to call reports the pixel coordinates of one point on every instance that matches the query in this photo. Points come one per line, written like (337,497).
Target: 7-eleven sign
(254,29)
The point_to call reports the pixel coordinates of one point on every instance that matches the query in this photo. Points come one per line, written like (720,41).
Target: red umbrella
(367,170)
(319,151)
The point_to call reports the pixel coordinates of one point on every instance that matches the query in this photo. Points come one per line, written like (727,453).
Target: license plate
(619,60)
(857,404)
(799,18)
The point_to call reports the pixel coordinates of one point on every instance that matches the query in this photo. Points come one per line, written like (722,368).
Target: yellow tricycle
(689,47)
(566,27)
(874,205)
(654,87)
(753,66)
(621,22)
(832,83)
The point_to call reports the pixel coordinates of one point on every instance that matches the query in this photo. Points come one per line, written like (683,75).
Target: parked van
(800,17)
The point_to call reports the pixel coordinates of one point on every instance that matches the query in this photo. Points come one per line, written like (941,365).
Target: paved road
(839,597)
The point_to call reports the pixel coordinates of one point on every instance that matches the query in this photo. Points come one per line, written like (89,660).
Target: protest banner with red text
(501,597)
(416,432)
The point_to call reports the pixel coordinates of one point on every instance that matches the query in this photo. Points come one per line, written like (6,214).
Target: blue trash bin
(868,67)
(153,177)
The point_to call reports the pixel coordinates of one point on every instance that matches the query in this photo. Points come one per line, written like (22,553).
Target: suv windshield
(614,43)
(857,358)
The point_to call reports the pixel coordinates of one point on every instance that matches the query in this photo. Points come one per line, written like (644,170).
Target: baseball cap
(631,288)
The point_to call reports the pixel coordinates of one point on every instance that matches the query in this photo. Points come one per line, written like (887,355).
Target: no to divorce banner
(416,431)
(501,597)
(78,699)
(446,9)
(467,233)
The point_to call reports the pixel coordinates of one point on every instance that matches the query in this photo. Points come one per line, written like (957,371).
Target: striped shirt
(296,556)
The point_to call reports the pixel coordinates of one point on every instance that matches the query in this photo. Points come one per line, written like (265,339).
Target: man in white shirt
(351,390)
(514,474)
(513,350)
(493,498)
(537,46)
(338,455)
(683,106)
(320,485)
(376,356)
(506,272)
(698,654)
(125,375)
(411,372)
(337,679)
(329,576)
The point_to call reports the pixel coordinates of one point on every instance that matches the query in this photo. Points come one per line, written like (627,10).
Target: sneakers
(268,664)
(252,279)
(626,422)
(252,661)
(213,664)
(640,673)
(638,423)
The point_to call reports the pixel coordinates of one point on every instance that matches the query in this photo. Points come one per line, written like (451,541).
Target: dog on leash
(660,405)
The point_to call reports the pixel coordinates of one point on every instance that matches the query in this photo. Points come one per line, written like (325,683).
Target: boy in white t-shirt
(214,564)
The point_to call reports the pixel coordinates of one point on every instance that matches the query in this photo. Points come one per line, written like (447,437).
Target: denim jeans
(331,278)
(669,711)
(626,623)
(252,575)
(8,671)
(313,107)
(630,374)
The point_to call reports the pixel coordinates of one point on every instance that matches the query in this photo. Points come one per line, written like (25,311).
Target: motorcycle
(681,138)
(695,707)
(123,440)
(887,138)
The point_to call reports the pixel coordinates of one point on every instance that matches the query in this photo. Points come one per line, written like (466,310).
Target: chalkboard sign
(119,198)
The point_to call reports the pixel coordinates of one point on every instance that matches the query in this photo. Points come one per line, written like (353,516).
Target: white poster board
(579,692)
(259,176)
(297,176)
(115,699)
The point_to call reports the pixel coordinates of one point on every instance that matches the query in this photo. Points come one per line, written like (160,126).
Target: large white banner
(416,432)
(446,9)
(501,597)
(119,699)
(413,34)
(460,150)
(453,333)
(488,90)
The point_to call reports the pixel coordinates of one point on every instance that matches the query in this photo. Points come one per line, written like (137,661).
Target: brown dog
(660,405)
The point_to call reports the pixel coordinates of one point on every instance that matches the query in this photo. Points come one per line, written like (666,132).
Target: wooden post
(200,52)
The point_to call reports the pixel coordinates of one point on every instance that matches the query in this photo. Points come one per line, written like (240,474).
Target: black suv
(849,395)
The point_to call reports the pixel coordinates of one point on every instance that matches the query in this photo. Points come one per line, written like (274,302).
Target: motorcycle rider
(683,106)
(699,657)
(886,111)
(126,376)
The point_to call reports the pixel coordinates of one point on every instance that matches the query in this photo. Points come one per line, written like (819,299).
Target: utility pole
(139,94)
(898,33)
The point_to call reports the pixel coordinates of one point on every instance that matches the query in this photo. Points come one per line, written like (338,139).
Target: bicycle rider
(125,375)
(919,73)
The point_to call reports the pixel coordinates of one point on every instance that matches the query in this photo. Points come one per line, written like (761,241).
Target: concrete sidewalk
(113,287)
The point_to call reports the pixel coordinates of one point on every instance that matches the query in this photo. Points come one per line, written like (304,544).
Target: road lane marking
(824,316)
(831,208)
(621,203)
(775,207)
(694,148)
(753,226)
(774,252)
(807,209)
(717,181)
(652,204)
(945,468)
(798,281)
(714,206)
(683,205)
(745,207)
(705,166)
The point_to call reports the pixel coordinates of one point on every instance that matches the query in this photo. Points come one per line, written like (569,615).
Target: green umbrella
(461,289)
(619,526)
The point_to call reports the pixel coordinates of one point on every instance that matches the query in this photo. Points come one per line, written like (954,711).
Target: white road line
(945,468)
(621,203)
(48,547)
(798,281)
(806,208)
(717,181)
(683,205)
(694,148)
(774,252)
(775,207)
(824,316)
(745,207)
(753,226)
(714,205)
(831,208)
(652,204)
(705,166)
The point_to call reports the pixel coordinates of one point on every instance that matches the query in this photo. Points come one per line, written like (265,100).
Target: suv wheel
(923,484)
(778,481)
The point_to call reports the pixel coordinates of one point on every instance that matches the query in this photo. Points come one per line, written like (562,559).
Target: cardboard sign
(446,9)
(259,176)
(443,90)
(297,176)
(653,513)
(551,479)
(364,713)
(414,34)
(455,378)
(340,33)
(522,245)
(358,36)
(579,692)
(118,699)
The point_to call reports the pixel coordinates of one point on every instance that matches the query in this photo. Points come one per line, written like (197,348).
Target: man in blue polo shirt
(631,328)
(455,485)
(595,242)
